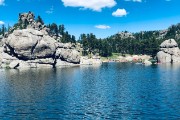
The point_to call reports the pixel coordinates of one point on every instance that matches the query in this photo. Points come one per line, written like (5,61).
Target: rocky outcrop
(29,44)
(125,35)
(33,47)
(169,52)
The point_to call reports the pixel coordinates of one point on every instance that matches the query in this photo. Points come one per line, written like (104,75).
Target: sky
(101,17)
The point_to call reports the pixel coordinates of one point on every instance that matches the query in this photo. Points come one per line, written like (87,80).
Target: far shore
(126,58)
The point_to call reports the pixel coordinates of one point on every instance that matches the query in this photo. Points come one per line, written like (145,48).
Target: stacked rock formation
(33,47)
(169,52)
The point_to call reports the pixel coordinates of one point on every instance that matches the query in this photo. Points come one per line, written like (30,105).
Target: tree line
(4,29)
(145,42)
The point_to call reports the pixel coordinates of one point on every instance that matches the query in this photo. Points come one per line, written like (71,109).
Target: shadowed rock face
(35,48)
(169,53)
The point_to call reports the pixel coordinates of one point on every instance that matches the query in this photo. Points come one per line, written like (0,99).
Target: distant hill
(144,42)
(171,32)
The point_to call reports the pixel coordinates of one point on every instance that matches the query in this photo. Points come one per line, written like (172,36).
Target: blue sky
(101,17)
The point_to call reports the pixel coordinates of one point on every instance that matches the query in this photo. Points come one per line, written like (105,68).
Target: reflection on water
(114,90)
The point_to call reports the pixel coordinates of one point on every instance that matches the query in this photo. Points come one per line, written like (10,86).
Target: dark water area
(110,91)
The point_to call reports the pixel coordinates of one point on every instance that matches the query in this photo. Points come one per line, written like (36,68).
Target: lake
(110,91)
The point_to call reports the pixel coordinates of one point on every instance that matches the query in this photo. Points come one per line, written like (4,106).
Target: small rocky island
(35,47)
(169,52)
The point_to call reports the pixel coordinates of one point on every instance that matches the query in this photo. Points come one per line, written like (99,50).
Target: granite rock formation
(33,47)
(169,52)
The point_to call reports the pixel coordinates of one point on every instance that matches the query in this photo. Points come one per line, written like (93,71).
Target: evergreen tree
(39,19)
(61,29)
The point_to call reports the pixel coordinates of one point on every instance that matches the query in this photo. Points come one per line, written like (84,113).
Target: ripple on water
(110,91)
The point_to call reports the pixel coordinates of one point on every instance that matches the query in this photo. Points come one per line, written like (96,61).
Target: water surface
(111,91)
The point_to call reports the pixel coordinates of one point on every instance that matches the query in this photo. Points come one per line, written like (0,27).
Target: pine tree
(39,19)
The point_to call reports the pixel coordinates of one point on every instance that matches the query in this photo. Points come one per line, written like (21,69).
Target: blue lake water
(111,91)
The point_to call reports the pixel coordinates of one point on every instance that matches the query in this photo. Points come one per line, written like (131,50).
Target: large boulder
(30,44)
(14,64)
(169,52)
(31,48)
(74,57)
(147,63)
(163,57)
(69,55)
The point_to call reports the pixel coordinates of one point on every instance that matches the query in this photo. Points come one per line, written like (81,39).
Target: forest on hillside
(144,42)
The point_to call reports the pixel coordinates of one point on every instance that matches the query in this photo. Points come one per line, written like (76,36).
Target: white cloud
(2,2)
(119,13)
(134,0)
(1,23)
(51,10)
(102,27)
(95,5)
(137,0)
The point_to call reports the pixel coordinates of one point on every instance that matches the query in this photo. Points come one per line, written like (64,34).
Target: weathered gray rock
(69,55)
(169,44)
(25,65)
(147,63)
(175,59)
(67,46)
(61,63)
(49,61)
(30,44)
(45,48)
(6,58)
(170,53)
(125,35)
(74,57)
(34,49)
(86,61)
(14,64)
(1,51)
(163,57)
